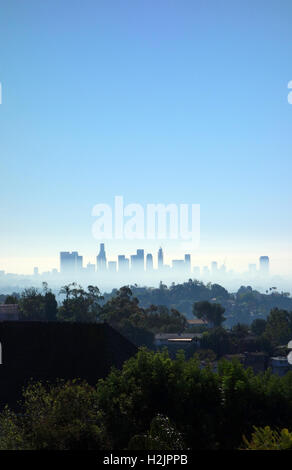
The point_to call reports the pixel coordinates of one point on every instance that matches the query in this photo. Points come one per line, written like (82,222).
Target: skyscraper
(214,267)
(101,259)
(188,263)
(149,262)
(90,268)
(70,262)
(160,258)
(123,263)
(264,265)
(137,261)
(112,266)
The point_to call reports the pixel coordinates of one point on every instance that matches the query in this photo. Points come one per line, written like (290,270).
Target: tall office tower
(112,266)
(214,267)
(149,262)
(137,261)
(90,268)
(123,263)
(35,271)
(188,263)
(264,265)
(101,259)
(140,259)
(78,261)
(160,258)
(70,262)
(178,265)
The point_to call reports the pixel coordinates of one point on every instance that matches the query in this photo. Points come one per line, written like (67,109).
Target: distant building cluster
(138,267)
(141,262)
(136,263)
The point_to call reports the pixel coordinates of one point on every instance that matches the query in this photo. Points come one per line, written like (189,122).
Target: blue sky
(159,101)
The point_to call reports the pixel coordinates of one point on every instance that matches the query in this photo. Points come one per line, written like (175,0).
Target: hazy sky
(164,101)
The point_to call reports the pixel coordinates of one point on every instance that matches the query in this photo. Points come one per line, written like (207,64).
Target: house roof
(51,350)
(176,336)
(197,321)
(10,309)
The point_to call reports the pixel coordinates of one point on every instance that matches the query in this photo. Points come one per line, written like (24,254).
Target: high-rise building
(149,262)
(123,263)
(160,258)
(112,266)
(188,263)
(90,268)
(178,264)
(264,265)
(78,261)
(137,261)
(70,262)
(101,258)
(36,271)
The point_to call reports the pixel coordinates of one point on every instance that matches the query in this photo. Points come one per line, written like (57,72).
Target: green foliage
(60,417)
(240,330)
(162,436)
(218,340)
(11,299)
(153,403)
(139,325)
(36,305)
(279,326)
(258,326)
(211,410)
(269,439)
(80,305)
(210,312)
(151,384)
(243,306)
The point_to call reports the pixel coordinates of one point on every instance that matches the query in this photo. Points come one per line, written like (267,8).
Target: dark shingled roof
(51,350)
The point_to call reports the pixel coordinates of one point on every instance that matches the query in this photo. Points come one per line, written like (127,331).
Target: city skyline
(141,261)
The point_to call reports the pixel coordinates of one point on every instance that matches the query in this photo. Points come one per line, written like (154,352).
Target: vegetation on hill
(155,402)
(139,320)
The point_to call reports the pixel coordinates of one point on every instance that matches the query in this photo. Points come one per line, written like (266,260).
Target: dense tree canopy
(210,312)
(154,402)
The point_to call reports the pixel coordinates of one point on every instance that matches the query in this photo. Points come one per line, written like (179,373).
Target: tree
(268,439)
(80,305)
(11,299)
(35,305)
(279,326)
(217,340)
(258,326)
(123,313)
(162,435)
(240,330)
(210,312)
(53,417)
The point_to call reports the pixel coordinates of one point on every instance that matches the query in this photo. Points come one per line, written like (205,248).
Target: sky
(159,101)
